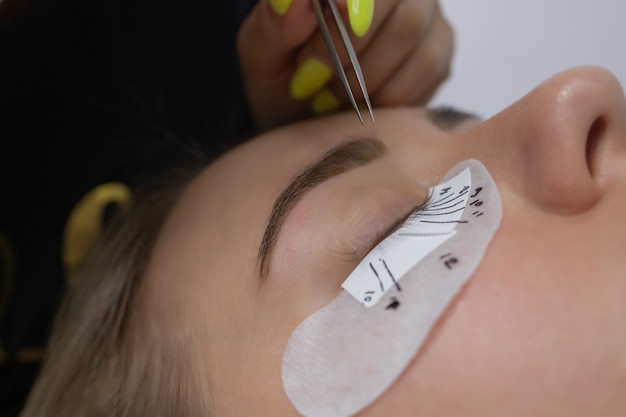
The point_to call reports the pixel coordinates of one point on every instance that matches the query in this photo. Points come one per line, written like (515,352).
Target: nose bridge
(554,133)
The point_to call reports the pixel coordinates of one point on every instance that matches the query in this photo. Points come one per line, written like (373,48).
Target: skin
(537,331)
(271,47)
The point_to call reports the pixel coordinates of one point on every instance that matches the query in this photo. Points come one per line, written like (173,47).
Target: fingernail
(361,14)
(325,102)
(280,6)
(309,78)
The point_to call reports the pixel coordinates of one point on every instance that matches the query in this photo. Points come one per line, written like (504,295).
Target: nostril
(594,136)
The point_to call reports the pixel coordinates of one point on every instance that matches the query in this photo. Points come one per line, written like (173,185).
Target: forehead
(262,166)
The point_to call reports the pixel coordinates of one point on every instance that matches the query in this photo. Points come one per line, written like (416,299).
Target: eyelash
(358,253)
(449,117)
(415,212)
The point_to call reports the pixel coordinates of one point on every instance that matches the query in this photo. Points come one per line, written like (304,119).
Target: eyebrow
(340,159)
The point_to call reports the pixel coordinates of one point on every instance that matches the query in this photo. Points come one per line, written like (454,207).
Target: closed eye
(358,253)
(408,219)
(447,118)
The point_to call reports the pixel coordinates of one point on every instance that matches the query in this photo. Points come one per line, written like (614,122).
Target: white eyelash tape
(422,234)
(345,355)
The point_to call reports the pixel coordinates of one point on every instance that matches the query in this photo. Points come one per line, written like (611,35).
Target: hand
(405,49)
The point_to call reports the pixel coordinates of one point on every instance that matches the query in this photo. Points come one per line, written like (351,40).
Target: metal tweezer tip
(335,56)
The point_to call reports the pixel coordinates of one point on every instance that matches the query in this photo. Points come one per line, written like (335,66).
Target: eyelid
(417,210)
(400,224)
(358,252)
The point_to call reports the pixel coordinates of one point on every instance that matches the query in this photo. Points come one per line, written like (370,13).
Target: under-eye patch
(344,356)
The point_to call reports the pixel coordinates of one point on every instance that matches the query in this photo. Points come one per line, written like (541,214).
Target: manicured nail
(325,102)
(280,6)
(309,78)
(361,14)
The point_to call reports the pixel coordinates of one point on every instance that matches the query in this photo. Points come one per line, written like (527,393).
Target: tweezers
(319,13)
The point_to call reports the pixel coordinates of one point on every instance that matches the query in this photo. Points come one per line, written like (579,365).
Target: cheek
(528,334)
(517,316)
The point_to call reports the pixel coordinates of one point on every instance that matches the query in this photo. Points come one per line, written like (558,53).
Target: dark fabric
(94,91)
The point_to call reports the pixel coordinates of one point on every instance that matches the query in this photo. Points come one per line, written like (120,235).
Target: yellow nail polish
(325,102)
(280,6)
(309,78)
(361,14)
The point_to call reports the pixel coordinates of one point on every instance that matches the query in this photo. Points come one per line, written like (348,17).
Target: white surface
(504,48)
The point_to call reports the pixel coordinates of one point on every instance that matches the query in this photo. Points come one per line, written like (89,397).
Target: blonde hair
(105,357)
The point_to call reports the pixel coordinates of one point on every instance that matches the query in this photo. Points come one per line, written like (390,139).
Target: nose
(558,143)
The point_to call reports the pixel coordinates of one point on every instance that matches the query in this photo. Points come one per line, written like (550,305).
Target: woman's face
(539,328)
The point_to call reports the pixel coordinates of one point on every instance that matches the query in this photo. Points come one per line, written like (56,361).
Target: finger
(424,98)
(270,39)
(317,49)
(397,32)
(268,44)
(401,75)
(406,29)
(424,70)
